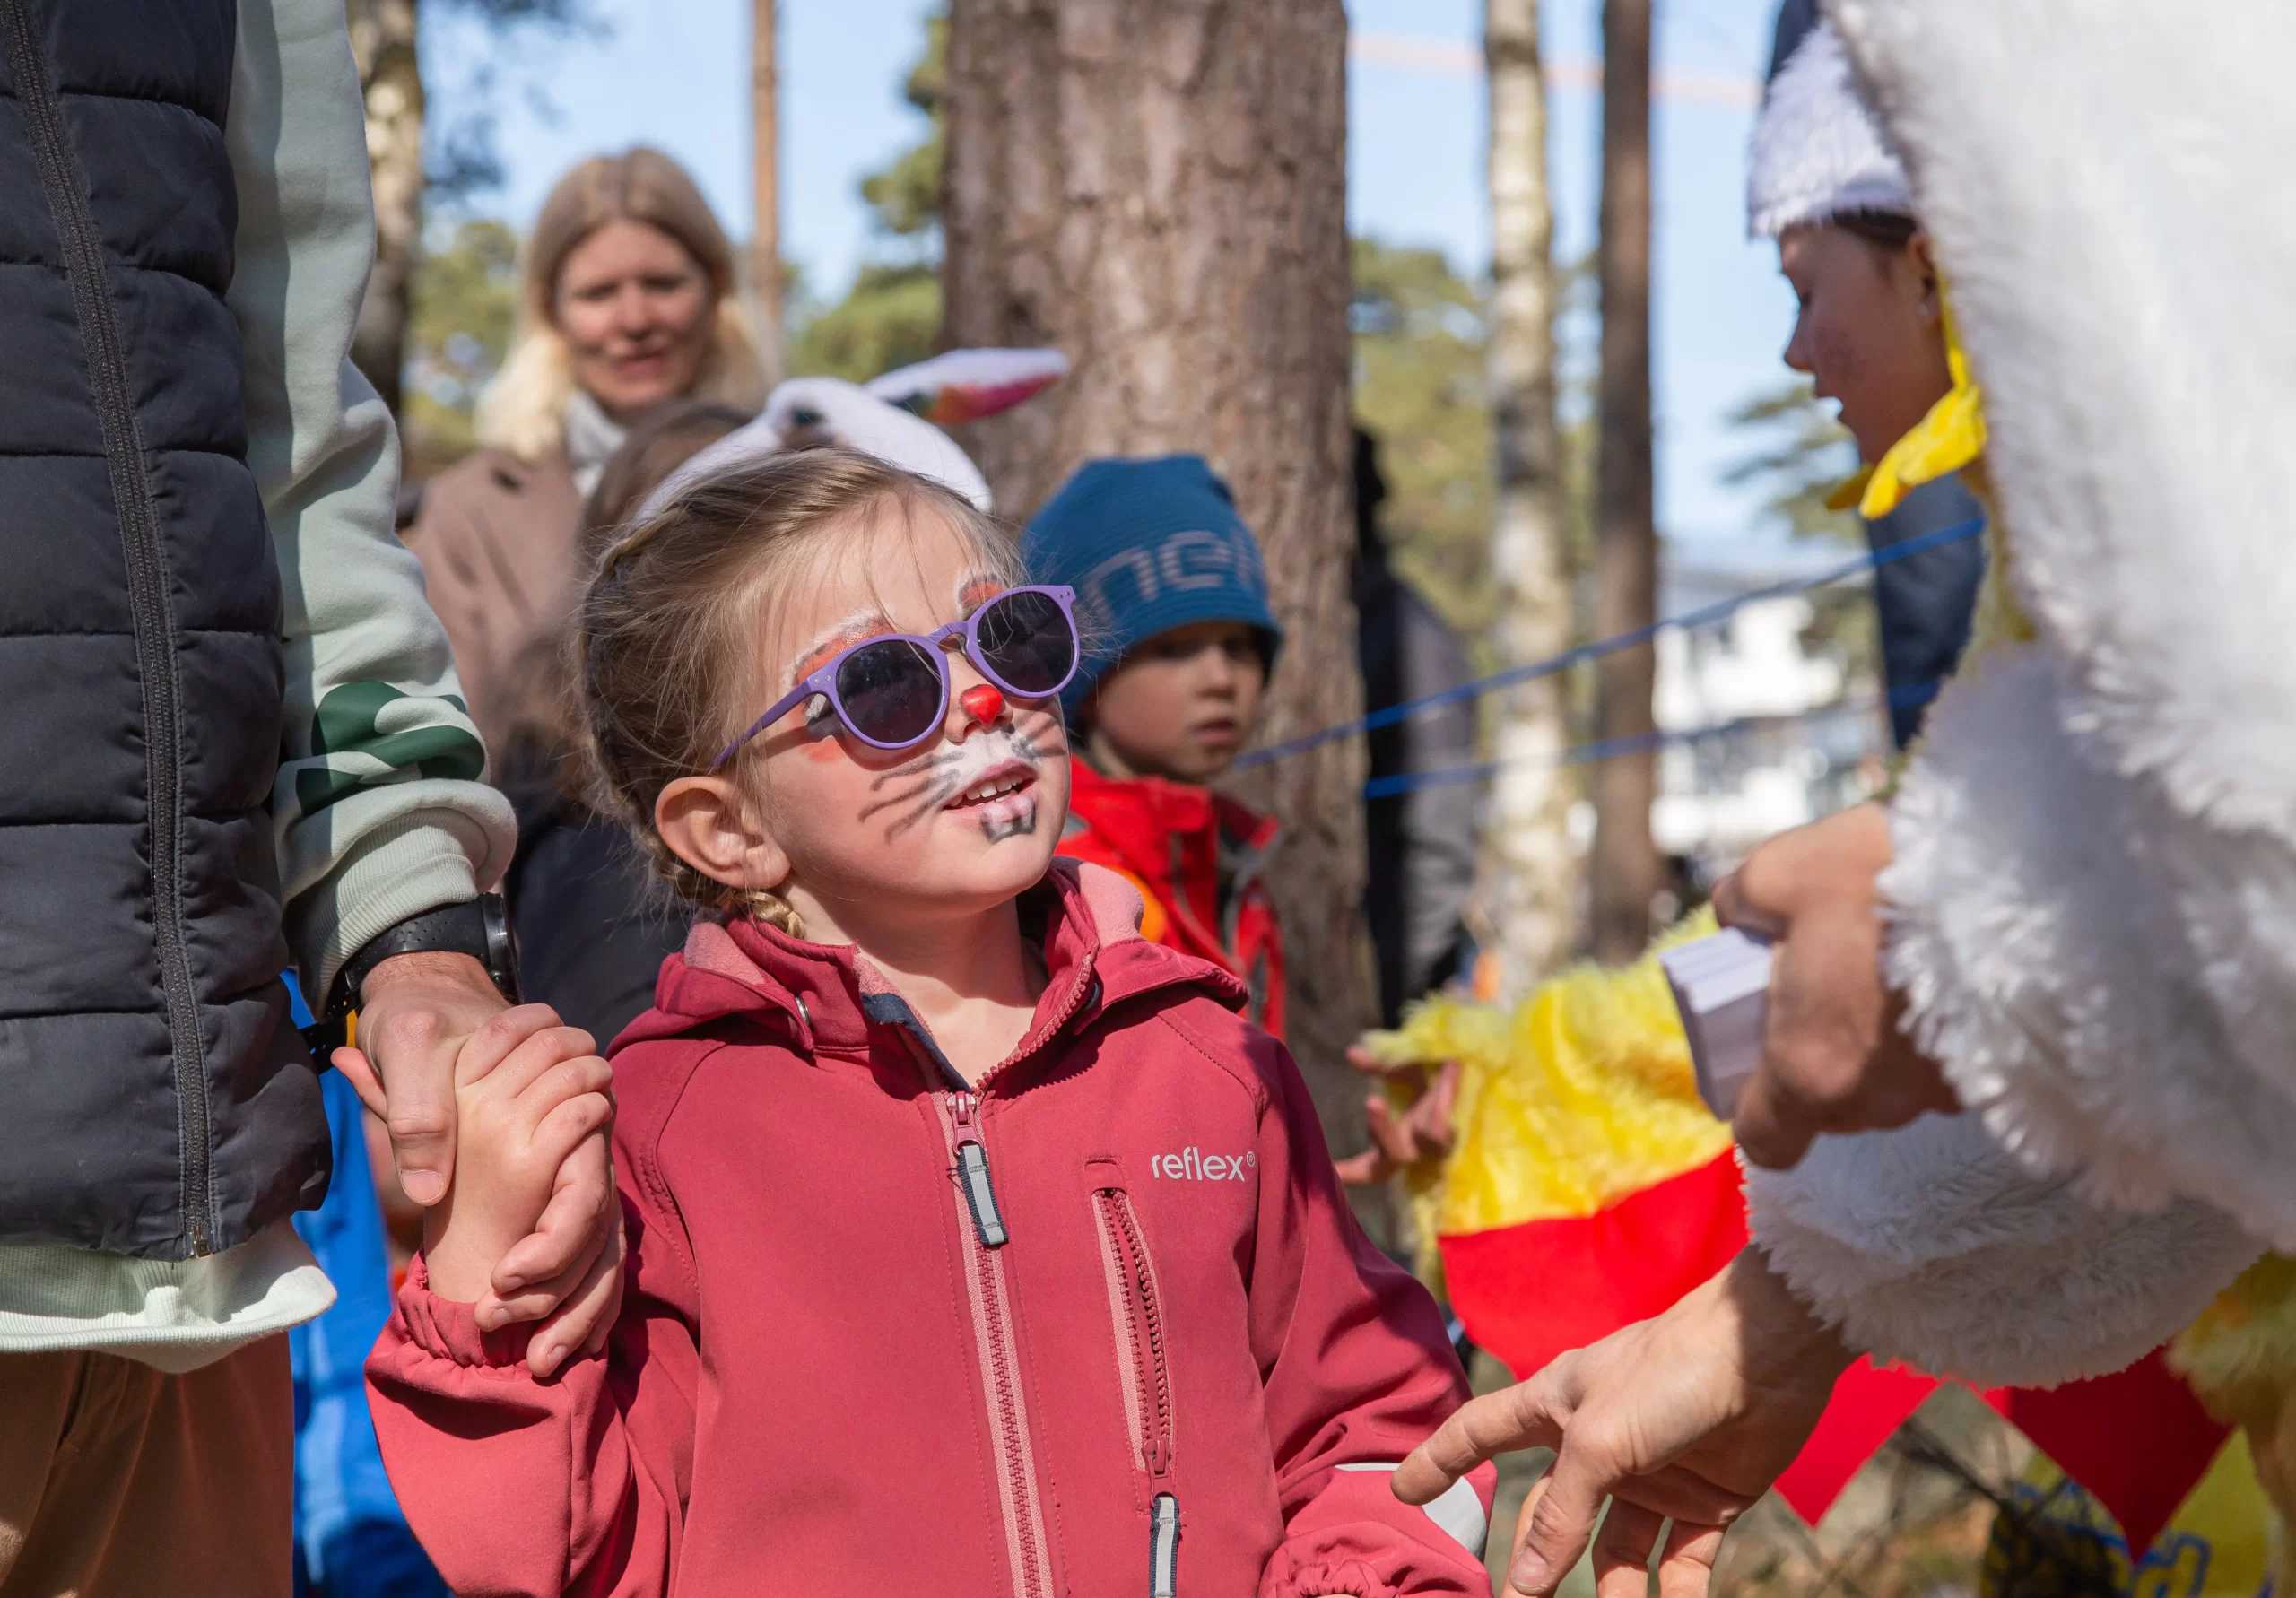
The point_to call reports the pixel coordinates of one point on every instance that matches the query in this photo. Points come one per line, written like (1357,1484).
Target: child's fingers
(582,1209)
(567,1079)
(502,1035)
(528,1282)
(535,1054)
(563,1129)
(496,1309)
(588,1316)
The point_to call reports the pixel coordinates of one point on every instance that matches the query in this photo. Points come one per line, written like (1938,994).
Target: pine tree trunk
(765,180)
(382,41)
(1158,187)
(1627,873)
(1531,870)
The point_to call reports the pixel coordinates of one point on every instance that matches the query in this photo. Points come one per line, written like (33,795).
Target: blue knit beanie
(1149,546)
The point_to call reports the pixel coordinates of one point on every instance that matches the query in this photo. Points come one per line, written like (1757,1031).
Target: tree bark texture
(382,41)
(1158,188)
(1531,872)
(765,178)
(1627,873)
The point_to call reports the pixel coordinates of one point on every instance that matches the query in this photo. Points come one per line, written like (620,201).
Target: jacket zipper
(1164,1547)
(147,587)
(990,1297)
(1142,1368)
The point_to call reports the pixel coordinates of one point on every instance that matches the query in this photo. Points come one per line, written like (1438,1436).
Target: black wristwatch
(480,929)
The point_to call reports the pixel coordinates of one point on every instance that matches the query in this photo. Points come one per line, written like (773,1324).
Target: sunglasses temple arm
(782,708)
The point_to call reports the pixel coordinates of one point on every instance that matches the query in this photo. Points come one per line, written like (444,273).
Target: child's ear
(706,823)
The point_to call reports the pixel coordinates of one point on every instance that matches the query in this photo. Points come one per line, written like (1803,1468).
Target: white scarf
(591,438)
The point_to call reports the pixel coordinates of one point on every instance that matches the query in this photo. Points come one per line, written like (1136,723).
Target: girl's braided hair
(668,625)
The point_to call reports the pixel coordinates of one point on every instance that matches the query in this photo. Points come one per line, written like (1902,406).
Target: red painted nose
(983,703)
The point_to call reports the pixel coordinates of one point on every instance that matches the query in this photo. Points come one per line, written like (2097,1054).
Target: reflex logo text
(1192,1164)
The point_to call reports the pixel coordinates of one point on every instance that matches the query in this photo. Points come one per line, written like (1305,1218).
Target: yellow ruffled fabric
(1949,438)
(1578,1096)
(2241,1358)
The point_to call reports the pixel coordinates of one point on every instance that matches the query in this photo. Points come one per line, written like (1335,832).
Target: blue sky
(675,72)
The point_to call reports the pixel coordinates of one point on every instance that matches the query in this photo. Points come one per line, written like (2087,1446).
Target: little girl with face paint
(972,1238)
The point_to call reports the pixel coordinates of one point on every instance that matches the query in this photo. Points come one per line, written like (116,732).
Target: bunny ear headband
(894,417)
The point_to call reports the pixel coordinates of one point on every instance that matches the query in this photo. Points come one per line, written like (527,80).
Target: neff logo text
(1190,1166)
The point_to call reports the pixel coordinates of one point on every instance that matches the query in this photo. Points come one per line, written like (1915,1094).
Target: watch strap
(467,928)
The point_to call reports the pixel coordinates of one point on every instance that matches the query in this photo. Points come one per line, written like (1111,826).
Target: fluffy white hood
(1817,151)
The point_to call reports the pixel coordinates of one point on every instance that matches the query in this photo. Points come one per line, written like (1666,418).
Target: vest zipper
(990,1298)
(147,587)
(1142,1368)
(1164,1547)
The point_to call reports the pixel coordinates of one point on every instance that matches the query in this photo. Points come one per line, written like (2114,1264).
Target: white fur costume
(2094,901)
(1816,153)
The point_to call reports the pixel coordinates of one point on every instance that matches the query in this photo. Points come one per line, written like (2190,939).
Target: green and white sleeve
(378,808)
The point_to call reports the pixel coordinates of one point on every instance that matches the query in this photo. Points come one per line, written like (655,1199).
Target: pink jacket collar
(824,997)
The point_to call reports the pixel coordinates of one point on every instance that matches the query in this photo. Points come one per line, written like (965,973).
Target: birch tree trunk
(1627,872)
(1531,872)
(382,41)
(1158,187)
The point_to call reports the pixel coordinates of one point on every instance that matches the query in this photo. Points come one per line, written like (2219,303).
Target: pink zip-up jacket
(1101,1325)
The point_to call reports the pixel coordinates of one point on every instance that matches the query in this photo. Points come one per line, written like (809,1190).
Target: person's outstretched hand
(427,1020)
(1834,1056)
(1689,1416)
(1402,1139)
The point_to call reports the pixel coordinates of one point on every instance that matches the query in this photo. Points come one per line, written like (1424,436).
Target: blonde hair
(670,606)
(523,409)
(543,738)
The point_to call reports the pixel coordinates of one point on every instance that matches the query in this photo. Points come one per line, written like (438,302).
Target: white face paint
(991,777)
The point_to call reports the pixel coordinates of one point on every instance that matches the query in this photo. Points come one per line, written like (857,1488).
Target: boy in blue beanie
(1171,598)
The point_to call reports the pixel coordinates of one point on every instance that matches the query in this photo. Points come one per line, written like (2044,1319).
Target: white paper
(1721,986)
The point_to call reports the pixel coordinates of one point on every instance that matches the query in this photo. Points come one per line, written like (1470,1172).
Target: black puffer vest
(155,1100)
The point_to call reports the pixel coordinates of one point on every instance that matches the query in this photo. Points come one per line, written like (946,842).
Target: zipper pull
(1164,1547)
(981,1195)
(966,1106)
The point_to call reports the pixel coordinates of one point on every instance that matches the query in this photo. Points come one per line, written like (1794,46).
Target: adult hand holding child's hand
(430,1034)
(519,1120)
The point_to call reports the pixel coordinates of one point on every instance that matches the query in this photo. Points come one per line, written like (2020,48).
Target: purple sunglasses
(891,691)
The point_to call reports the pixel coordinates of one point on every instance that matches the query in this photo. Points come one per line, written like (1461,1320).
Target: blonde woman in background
(628,300)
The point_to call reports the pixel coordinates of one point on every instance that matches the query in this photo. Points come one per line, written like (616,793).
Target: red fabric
(802,1392)
(1867,1405)
(1167,838)
(2137,1439)
(1531,1291)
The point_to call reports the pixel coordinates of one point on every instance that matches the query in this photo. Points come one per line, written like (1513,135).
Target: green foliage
(906,196)
(890,316)
(1419,390)
(1800,455)
(466,304)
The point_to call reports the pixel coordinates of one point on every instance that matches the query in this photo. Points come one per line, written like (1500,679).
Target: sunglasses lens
(1027,642)
(891,691)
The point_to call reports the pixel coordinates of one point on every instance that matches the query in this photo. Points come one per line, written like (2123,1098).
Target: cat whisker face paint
(990,778)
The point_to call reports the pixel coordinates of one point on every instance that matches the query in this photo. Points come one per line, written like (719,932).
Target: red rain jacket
(1196,857)
(1103,1326)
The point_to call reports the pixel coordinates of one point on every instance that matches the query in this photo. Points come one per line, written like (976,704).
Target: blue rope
(1601,748)
(1704,616)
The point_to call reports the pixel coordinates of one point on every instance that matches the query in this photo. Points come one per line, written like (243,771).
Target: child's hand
(516,1126)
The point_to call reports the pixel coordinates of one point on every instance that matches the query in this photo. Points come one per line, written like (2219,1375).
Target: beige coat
(497,537)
